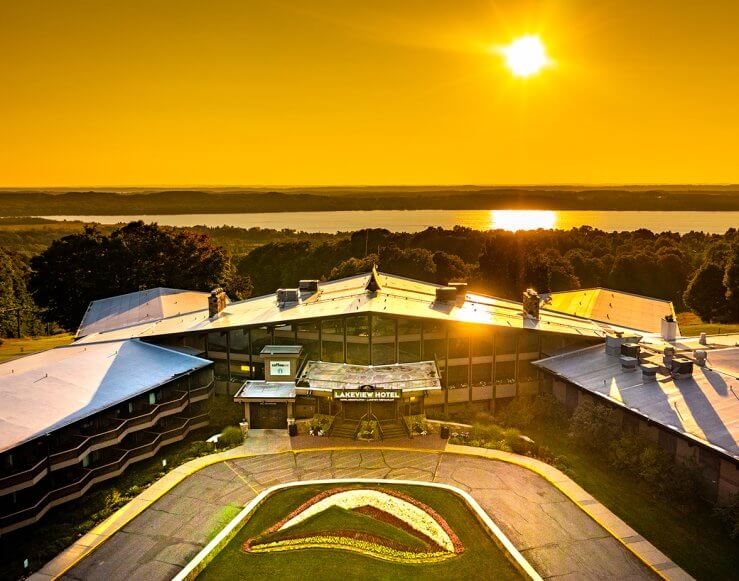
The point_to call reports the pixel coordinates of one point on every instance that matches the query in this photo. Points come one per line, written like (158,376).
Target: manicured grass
(481,559)
(691,324)
(12,348)
(689,536)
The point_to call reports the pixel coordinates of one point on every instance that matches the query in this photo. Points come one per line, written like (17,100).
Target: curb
(649,555)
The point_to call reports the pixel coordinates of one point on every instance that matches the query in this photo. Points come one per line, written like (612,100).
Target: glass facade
(467,354)
(357,340)
(383,340)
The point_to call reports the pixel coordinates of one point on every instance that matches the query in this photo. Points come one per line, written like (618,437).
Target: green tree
(80,268)
(18,313)
(731,283)
(706,294)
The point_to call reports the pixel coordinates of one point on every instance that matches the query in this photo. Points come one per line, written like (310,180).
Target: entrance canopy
(266,391)
(407,377)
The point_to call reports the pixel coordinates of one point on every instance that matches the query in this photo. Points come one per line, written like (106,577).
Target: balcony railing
(29,476)
(97,474)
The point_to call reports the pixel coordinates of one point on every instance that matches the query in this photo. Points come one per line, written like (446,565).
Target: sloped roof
(703,406)
(139,307)
(397,296)
(613,307)
(43,392)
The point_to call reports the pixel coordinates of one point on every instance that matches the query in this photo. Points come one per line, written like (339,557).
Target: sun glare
(526,56)
(514,220)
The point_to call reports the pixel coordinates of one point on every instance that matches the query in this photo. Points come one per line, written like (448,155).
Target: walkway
(555,534)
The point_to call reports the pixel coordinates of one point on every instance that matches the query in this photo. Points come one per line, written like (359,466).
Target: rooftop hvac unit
(700,357)
(682,366)
(288,295)
(630,349)
(649,371)
(447,294)
(628,363)
(308,286)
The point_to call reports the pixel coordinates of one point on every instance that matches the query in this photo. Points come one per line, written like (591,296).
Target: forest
(71,264)
(71,203)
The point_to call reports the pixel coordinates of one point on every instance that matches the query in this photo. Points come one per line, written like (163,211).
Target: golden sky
(299,92)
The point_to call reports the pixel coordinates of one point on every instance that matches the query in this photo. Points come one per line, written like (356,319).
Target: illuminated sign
(279,368)
(367,395)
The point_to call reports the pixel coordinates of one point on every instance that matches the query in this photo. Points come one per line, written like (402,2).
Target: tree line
(697,271)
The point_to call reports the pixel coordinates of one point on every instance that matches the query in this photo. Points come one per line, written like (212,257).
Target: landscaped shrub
(522,411)
(231,436)
(654,464)
(519,412)
(200,448)
(624,452)
(728,514)
(680,483)
(594,425)
(487,432)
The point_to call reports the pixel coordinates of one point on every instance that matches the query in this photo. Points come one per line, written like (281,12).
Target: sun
(526,56)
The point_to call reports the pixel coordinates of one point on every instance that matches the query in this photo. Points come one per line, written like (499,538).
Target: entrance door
(268,416)
(354,410)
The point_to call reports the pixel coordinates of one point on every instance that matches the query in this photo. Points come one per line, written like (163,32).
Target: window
(481,342)
(308,338)
(409,340)
(527,372)
(260,337)
(505,342)
(240,341)
(152,398)
(332,340)
(458,376)
(481,373)
(383,340)
(528,342)
(357,340)
(284,335)
(434,341)
(505,372)
(217,342)
(459,343)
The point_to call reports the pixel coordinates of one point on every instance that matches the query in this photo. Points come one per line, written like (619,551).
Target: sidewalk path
(546,515)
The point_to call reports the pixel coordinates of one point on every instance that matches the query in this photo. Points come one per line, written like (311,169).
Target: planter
(444,432)
(292,430)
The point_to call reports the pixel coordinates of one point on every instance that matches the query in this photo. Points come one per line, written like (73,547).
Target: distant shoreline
(173,202)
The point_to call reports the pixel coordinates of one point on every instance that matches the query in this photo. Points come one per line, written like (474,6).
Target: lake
(417,220)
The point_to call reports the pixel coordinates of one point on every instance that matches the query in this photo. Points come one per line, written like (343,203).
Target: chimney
(216,302)
(531,303)
(669,328)
(667,356)
(308,286)
(446,294)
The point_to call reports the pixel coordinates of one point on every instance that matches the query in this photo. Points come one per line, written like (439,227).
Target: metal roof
(324,376)
(398,296)
(703,406)
(281,350)
(262,390)
(43,392)
(614,307)
(139,307)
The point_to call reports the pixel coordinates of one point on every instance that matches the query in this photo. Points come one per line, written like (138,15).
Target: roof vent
(682,366)
(308,286)
(531,303)
(216,301)
(701,357)
(460,286)
(703,339)
(629,363)
(288,295)
(630,349)
(669,328)
(447,294)
(649,371)
(373,284)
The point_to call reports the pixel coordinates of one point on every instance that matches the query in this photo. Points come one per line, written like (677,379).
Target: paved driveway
(557,538)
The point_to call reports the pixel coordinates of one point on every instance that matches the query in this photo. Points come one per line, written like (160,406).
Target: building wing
(613,307)
(42,392)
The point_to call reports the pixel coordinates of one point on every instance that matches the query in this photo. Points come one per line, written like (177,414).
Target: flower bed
(392,507)
(368,430)
(416,425)
(320,425)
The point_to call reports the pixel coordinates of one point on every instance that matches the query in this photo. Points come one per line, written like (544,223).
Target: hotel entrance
(382,410)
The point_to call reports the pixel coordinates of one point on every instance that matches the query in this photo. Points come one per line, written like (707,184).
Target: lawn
(691,537)
(12,348)
(481,557)
(691,325)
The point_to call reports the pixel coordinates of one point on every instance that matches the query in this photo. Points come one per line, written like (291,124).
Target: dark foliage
(19,315)
(84,267)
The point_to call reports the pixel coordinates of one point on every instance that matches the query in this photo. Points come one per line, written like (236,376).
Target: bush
(594,425)
(230,437)
(519,413)
(624,452)
(200,448)
(681,481)
(728,514)
(524,410)
(654,464)
(545,454)
(487,432)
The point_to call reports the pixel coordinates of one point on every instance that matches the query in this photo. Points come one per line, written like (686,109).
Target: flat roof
(139,307)
(703,406)
(397,296)
(616,307)
(281,350)
(45,391)
(261,390)
(324,376)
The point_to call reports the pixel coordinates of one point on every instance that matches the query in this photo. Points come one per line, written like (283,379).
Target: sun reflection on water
(522,219)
